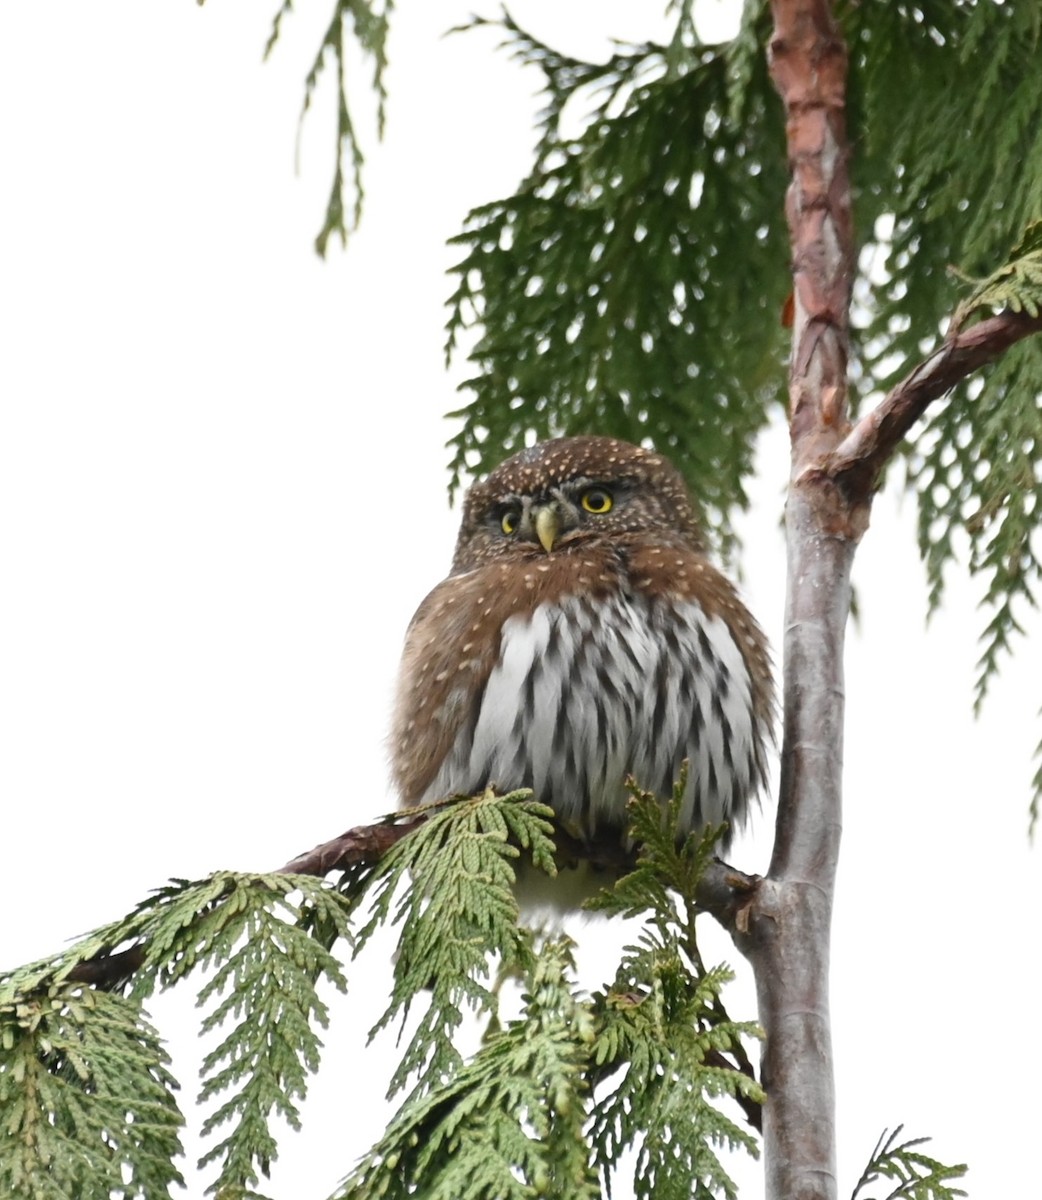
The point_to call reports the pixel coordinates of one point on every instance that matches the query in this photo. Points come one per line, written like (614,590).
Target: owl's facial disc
(550,518)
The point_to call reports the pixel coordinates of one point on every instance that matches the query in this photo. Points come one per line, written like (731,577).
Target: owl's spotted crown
(654,491)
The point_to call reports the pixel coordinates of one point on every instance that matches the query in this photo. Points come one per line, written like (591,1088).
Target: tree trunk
(790,926)
(790,948)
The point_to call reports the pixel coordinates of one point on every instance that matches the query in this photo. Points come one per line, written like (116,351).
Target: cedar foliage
(89,1108)
(911,1174)
(546,1106)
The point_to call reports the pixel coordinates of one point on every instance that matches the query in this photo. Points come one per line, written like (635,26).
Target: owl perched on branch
(582,636)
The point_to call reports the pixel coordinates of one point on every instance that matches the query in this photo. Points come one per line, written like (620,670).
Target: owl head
(566,492)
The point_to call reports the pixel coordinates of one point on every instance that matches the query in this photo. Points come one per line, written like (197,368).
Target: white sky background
(222,495)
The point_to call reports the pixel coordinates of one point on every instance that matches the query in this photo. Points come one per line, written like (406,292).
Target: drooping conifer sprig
(264,998)
(453,879)
(551,1099)
(268,939)
(88,1105)
(600,291)
(911,1175)
(976,466)
(508,1124)
(366,23)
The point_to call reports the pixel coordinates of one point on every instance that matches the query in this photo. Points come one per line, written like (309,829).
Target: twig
(108,970)
(362,844)
(856,462)
(725,892)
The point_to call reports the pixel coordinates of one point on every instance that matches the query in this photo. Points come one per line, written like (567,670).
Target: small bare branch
(108,970)
(362,844)
(856,462)
(729,895)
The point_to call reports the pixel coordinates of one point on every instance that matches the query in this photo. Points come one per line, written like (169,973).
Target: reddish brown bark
(363,844)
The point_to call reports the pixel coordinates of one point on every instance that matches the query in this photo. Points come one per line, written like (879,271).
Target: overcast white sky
(222,494)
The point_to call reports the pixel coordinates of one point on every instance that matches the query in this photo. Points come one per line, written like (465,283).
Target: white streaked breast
(585,693)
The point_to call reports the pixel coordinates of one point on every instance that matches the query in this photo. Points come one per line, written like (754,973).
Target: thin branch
(724,891)
(364,844)
(107,971)
(856,462)
(729,895)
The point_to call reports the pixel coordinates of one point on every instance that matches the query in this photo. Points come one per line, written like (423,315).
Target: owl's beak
(547,526)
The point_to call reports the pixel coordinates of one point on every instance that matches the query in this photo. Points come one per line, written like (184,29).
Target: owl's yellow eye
(508,521)
(596,500)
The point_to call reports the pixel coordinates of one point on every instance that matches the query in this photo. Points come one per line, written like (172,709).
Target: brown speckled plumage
(618,649)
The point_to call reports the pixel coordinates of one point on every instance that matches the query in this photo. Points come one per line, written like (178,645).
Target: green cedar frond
(87,1103)
(667,858)
(284,9)
(663,1033)
(917,1176)
(509,1123)
(523,1116)
(958,174)
(607,290)
(958,179)
(978,472)
(548,1101)
(663,1030)
(370,22)
(268,936)
(458,913)
(1017,285)
(268,986)
(163,921)
(978,467)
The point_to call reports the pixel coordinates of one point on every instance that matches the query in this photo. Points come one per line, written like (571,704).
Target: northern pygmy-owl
(581,636)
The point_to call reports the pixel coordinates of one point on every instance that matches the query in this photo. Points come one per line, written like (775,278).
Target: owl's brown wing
(450,649)
(453,643)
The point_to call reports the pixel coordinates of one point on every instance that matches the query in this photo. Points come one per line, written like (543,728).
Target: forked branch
(857,461)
